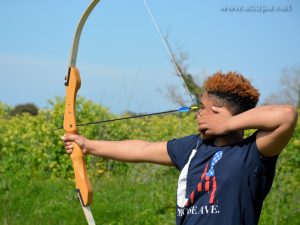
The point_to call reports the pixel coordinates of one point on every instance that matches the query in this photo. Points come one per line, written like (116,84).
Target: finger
(209,132)
(69,146)
(66,143)
(216,109)
(64,137)
(69,151)
(203,126)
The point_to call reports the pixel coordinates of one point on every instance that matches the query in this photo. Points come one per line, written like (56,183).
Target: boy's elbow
(290,114)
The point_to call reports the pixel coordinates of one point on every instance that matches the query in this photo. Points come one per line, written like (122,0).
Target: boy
(224,178)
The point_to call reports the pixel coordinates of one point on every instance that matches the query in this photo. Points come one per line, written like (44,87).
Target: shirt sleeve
(264,165)
(180,149)
(262,170)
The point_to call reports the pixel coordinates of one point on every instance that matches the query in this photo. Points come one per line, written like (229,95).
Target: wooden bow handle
(83,185)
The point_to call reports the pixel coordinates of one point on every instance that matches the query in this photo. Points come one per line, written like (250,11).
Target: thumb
(69,137)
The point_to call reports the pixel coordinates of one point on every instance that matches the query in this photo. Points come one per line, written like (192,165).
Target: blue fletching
(184,109)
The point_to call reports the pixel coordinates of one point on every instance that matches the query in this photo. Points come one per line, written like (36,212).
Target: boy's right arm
(127,151)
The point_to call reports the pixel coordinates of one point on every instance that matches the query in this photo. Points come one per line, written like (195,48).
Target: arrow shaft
(126,118)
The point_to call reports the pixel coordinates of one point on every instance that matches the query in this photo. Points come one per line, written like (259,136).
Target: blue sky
(122,61)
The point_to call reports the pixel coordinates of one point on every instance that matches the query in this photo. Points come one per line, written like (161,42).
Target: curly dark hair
(232,90)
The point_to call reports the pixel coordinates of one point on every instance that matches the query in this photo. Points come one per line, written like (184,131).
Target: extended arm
(127,151)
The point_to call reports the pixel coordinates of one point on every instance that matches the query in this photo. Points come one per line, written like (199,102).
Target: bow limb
(73,82)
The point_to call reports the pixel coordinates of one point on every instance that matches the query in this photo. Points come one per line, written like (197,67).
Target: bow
(73,82)
(83,185)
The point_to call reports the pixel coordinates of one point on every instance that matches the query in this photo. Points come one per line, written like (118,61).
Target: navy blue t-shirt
(220,185)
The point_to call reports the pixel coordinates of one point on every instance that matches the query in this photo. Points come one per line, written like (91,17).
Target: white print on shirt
(198,210)
(181,189)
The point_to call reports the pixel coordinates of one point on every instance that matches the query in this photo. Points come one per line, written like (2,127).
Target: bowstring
(167,47)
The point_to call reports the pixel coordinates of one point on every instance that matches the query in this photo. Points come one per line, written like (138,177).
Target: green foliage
(37,176)
(4,110)
(282,204)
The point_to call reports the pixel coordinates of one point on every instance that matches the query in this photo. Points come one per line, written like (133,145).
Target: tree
(30,108)
(289,92)
(181,70)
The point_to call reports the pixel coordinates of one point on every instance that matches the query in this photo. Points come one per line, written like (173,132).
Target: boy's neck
(229,139)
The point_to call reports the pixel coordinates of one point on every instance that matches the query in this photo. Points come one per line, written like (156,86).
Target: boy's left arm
(275,124)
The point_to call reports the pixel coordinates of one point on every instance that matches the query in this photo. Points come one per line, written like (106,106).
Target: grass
(117,200)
